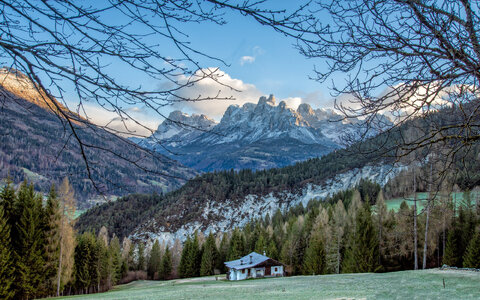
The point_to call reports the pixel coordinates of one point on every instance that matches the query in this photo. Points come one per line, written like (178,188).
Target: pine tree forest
(41,255)
(348,233)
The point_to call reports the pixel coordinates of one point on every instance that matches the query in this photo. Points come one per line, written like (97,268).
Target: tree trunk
(424,265)
(59,273)
(415,230)
(444,229)
(338,254)
(426,237)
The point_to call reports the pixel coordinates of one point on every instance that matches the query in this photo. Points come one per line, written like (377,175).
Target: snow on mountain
(255,136)
(231,213)
(265,120)
(177,130)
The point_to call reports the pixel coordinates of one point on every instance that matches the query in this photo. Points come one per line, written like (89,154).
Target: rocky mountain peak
(180,119)
(254,135)
(264,100)
(176,115)
(305,109)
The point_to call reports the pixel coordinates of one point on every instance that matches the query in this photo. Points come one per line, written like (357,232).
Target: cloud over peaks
(218,84)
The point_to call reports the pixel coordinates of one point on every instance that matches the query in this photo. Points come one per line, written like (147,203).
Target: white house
(253,265)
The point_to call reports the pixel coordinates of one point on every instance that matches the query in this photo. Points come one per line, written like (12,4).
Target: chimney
(264,253)
(251,261)
(241,262)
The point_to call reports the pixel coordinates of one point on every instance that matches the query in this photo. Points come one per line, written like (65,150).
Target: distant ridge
(253,136)
(36,146)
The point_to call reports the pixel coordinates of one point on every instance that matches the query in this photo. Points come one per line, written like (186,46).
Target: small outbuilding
(254,265)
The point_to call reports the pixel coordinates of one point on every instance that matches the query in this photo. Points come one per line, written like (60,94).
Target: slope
(37,145)
(220,200)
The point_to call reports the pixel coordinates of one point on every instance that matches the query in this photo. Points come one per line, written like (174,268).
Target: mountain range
(222,200)
(253,136)
(36,144)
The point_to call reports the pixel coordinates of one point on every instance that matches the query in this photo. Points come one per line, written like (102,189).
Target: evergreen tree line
(42,256)
(36,241)
(347,234)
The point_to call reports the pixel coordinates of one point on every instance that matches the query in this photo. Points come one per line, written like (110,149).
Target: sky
(259,61)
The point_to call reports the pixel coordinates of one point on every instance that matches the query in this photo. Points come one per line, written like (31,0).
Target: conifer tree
(154,261)
(30,243)
(105,262)
(7,201)
(131,258)
(183,270)
(6,265)
(466,225)
(191,256)
(115,254)
(87,260)
(209,256)
(237,246)
(52,242)
(293,248)
(472,254)
(166,265)
(272,250)
(362,252)
(7,248)
(404,243)
(195,257)
(141,257)
(337,224)
(314,262)
(222,253)
(380,219)
(261,244)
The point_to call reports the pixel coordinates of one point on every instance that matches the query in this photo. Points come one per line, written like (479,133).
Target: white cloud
(403,101)
(249,59)
(218,85)
(136,123)
(142,121)
(246,60)
(293,102)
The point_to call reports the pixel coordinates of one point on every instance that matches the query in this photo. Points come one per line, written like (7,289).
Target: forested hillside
(36,145)
(124,215)
(346,234)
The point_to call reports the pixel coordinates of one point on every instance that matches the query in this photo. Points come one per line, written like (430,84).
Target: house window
(274,269)
(243,271)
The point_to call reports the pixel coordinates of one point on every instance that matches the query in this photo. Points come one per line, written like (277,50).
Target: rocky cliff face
(224,216)
(255,136)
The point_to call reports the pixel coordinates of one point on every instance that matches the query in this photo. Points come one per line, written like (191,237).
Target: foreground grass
(426,284)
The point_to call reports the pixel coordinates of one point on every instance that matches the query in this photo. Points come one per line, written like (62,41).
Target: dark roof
(248,261)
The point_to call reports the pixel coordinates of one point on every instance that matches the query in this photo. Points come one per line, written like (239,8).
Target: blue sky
(259,61)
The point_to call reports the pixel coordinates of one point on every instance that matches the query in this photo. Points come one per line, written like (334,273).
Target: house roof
(248,261)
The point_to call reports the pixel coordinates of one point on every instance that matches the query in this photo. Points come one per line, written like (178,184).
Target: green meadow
(422,284)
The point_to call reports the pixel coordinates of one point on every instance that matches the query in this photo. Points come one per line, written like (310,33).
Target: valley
(230,149)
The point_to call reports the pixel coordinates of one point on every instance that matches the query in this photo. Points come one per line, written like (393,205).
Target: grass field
(422,200)
(426,284)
